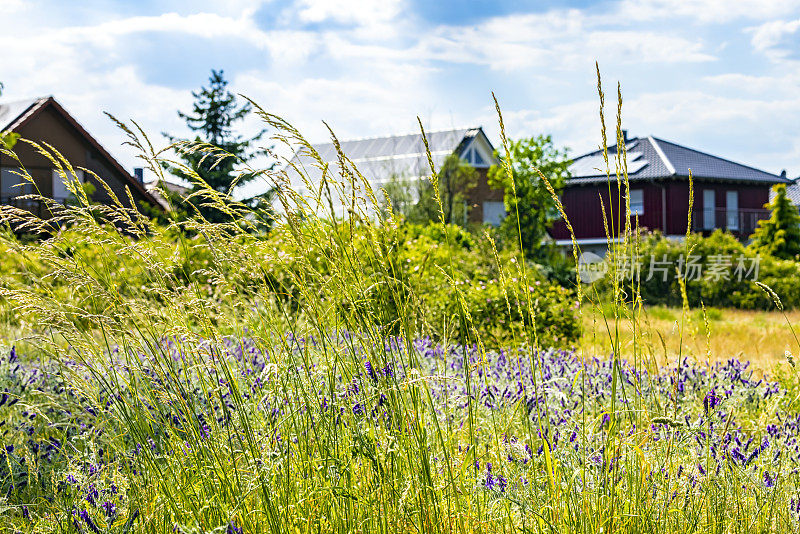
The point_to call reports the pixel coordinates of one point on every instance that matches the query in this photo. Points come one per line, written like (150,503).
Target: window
(473,156)
(493,213)
(709,209)
(732,209)
(9,180)
(637,202)
(60,191)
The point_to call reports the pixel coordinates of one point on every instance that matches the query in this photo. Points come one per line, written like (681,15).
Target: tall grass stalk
(230,400)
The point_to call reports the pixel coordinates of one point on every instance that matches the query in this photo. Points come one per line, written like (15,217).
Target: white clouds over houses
(708,73)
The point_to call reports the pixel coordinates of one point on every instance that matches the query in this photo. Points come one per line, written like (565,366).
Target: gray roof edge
(29,105)
(404,134)
(664,159)
(778,178)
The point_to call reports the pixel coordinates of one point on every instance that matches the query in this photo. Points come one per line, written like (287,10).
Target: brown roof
(15,115)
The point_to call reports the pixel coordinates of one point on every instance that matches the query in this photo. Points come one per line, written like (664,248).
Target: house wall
(50,127)
(480,194)
(584,210)
(582,205)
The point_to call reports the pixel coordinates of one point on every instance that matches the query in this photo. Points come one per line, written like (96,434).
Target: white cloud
(777,39)
(705,11)
(370,69)
(556,39)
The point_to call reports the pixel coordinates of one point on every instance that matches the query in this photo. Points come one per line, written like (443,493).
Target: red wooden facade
(666,208)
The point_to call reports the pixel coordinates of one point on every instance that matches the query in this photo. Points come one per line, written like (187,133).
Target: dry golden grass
(759,336)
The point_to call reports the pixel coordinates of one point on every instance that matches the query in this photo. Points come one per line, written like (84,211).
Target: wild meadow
(358,374)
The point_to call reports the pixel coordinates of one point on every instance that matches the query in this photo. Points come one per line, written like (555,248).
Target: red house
(727,195)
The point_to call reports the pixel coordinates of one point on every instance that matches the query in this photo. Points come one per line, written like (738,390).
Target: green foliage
(217,155)
(729,289)
(411,269)
(779,236)
(416,201)
(529,205)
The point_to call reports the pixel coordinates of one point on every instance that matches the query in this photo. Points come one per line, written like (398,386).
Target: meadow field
(358,374)
(758,336)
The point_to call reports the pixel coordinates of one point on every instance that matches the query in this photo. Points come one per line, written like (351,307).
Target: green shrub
(728,289)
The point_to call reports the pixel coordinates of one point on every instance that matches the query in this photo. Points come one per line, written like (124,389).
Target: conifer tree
(779,236)
(217,153)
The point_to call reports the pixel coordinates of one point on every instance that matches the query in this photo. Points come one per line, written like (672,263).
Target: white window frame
(495,220)
(637,202)
(59,186)
(709,209)
(732,210)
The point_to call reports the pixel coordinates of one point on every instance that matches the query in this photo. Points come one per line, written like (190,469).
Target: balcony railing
(589,224)
(740,221)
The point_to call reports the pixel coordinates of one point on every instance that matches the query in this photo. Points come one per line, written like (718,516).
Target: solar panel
(596,166)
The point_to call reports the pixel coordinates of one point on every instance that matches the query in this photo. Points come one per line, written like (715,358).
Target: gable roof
(13,112)
(653,158)
(381,158)
(15,115)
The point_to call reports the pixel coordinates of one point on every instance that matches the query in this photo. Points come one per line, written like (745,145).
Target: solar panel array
(652,158)
(595,165)
(383,158)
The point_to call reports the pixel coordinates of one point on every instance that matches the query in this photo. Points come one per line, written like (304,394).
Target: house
(727,195)
(44,120)
(154,187)
(403,157)
(792,191)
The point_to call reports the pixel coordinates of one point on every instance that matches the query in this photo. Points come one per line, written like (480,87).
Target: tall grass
(215,404)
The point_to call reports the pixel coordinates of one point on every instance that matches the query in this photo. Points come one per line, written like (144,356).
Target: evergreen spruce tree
(779,236)
(217,154)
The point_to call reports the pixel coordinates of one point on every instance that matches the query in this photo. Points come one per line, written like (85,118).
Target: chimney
(138,173)
(783,173)
(625,135)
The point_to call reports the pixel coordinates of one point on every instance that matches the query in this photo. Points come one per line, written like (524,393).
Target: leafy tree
(528,195)
(779,236)
(456,179)
(7,139)
(217,154)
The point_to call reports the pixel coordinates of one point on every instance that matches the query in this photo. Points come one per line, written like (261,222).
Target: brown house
(404,157)
(44,120)
(727,195)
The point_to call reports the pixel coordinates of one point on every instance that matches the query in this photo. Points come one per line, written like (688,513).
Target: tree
(528,195)
(7,139)
(456,179)
(217,154)
(779,236)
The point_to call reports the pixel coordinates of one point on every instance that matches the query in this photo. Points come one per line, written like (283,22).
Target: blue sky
(718,75)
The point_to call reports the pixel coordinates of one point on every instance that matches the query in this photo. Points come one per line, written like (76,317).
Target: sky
(721,76)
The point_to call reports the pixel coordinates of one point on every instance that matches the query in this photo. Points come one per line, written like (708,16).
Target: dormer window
(474,158)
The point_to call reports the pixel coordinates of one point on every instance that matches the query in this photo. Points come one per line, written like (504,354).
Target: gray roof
(652,158)
(382,158)
(792,191)
(11,111)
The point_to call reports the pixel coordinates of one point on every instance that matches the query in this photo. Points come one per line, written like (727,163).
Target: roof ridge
(715,157)
(664,159)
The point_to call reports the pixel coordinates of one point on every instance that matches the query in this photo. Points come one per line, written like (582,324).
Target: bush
(729,288)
